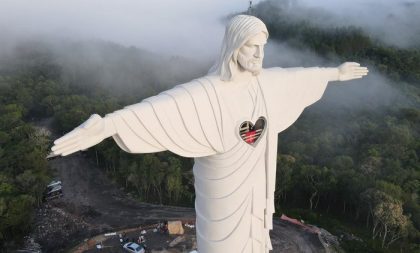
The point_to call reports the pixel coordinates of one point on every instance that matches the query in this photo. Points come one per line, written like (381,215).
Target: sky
(194,28)
(190,28)
(187,27)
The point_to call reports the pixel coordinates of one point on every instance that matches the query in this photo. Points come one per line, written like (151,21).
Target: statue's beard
(254,66)
(251,64)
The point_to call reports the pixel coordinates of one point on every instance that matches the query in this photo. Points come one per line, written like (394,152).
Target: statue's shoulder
(212,78)
(271,70)
(208,80)
(277,74)
(278,70)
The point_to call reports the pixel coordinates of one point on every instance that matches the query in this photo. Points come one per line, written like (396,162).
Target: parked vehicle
(133,247)
(53,183)
(53,190)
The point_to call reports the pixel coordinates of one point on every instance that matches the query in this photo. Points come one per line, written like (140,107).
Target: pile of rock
(54,226)
(29,246)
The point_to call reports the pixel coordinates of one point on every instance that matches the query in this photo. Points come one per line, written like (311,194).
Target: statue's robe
(234,180)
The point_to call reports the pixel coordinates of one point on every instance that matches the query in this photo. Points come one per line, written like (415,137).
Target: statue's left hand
(351,70)
(88,134)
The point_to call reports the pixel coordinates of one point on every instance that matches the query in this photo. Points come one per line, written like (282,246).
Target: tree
(317,181)
(174,186)
(394,223)
(157,175)
(32,183)
(284,176)
(18,215)
(389,222)
(11,116)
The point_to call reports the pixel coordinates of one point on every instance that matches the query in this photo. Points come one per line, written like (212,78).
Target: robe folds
(234,179)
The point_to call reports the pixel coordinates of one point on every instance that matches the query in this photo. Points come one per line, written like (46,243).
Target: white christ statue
(228,121)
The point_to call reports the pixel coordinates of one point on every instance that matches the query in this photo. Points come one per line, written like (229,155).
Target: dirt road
(86,186)
(90,196)
(92,204)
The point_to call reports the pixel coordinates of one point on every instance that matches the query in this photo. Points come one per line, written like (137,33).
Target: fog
(140,32)
(191,28)
(394,22)
(372,92)
(181,27)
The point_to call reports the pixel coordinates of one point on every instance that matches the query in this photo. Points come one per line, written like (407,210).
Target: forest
(344,169)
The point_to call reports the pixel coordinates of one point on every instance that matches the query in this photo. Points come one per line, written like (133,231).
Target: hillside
(350,163)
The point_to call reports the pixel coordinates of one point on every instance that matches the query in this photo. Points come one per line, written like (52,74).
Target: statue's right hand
(88,134)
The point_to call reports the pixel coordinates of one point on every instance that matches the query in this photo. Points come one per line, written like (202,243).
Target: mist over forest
(119,61)
(106,65)
(391,22)
(348,158)
(125,69)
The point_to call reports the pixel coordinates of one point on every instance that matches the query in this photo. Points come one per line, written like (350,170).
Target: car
(133,247)
(53,190)
(53,184)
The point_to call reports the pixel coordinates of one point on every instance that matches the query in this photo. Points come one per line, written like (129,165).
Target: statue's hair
(239,30)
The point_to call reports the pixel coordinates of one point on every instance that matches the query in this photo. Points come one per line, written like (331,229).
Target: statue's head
(242,48)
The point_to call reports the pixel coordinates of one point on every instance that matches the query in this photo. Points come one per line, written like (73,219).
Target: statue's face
(250,55)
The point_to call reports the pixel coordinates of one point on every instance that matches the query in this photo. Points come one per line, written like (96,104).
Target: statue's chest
(238,103)
(243,112)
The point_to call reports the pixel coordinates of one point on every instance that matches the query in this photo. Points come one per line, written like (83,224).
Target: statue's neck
(243,77)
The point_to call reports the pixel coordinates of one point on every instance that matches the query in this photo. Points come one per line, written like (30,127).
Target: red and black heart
(250,132)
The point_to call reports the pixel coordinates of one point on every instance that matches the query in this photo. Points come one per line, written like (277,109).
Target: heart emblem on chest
(250,132)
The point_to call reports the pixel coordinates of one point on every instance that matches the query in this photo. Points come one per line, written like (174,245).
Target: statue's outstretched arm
(288,91)
(351,70)
(88,134)
(185,120)
(344,72)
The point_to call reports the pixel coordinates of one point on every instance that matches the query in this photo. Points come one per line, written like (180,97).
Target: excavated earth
(91,205)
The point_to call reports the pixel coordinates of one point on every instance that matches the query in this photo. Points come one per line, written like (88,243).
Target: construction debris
(175,228)
(176,241)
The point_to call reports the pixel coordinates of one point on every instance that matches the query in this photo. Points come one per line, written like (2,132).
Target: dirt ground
(86,186)
(155,242)
(286,238)
(92,205)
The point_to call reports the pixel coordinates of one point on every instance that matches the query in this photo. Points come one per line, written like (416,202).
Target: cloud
(182,27)
(394,22)
(372,92)
(187,28)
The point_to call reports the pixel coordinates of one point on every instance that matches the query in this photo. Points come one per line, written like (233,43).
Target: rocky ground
(286,238)
(91,204)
